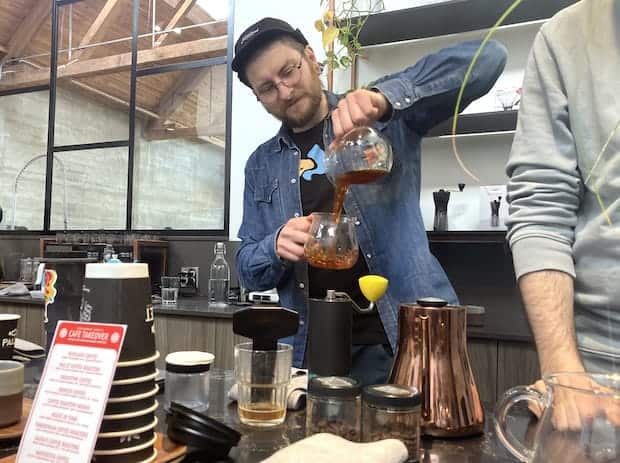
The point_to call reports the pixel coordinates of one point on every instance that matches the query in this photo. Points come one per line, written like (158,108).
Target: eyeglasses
(289,77)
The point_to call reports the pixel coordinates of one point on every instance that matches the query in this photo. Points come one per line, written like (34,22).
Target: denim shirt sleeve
(258,265)
(424,94)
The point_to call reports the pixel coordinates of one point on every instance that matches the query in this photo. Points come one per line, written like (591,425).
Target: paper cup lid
(117,271)
(189,361)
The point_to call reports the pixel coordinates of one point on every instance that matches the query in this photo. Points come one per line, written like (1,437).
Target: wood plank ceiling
(94,39)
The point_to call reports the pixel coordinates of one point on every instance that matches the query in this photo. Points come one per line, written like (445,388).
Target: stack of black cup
(121,293)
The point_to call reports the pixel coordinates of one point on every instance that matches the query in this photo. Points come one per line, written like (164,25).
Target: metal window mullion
(92,146)
(183,66)
(132,114)
(229,85)
(51,119)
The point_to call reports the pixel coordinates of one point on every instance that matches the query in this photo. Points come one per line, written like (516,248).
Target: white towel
(16,289)
(329,448)
(297,389)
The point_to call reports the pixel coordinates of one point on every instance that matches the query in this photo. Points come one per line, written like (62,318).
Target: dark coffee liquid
(329,258)
(10,409)
(351,178)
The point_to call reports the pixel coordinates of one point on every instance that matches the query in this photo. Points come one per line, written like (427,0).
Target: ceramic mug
(8,332)
(11,392)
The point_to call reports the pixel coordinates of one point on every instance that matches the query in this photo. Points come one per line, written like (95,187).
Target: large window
(138,118)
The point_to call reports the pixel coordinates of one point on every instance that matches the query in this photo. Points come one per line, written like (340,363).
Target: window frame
(222,233)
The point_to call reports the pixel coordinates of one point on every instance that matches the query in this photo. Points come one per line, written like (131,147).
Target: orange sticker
(50,286)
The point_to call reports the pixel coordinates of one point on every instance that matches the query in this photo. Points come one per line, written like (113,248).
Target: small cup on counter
(262,377)
(169,290)
(11,392)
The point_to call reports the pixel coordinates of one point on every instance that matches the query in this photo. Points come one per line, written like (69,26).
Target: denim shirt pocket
(265,187)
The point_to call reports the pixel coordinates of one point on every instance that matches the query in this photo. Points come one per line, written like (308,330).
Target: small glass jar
(392,411)
(187,379)
(334,406)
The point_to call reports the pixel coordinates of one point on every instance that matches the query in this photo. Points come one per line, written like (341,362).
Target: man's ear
(309,52)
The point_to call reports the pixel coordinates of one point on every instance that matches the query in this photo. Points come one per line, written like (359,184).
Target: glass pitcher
(360,156)
(333,242)
(598,438)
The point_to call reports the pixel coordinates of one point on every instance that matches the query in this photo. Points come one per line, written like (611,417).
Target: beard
(299,112)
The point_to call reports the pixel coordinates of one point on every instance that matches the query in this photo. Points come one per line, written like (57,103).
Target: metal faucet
(64,177)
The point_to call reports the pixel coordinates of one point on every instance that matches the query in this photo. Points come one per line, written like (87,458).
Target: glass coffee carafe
(332,243)
(360,156)
(590,434)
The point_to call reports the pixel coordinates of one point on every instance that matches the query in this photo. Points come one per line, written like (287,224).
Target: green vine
(345,25)
(591,172)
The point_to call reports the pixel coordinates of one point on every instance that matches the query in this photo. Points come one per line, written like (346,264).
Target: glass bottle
(219,277)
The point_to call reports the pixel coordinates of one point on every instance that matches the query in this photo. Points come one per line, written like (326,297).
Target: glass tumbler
(262,378)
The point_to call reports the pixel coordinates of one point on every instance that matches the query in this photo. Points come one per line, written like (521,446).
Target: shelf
(477,123)
(473,236)
(452,17)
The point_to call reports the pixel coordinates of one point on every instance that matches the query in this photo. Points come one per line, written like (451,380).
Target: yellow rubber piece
(373,286)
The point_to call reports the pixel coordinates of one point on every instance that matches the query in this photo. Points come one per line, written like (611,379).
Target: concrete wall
(177,183)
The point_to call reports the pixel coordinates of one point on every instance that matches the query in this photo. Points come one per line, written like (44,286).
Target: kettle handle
(426,367)
(506,437)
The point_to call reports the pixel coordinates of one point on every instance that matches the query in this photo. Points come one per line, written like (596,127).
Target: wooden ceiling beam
(185,132)
(105,98)
(200,16)
(108,14)
(176,95)
(27,29)
(181,11)
(167,54)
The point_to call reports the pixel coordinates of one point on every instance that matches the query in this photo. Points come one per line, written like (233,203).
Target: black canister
(121,293)
(330,325)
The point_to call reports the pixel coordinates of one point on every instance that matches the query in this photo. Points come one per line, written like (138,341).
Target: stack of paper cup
(121,293)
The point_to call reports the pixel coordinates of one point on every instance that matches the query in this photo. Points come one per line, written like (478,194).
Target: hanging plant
(341,28)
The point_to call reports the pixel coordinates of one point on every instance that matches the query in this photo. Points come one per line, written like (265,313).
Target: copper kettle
(432,357)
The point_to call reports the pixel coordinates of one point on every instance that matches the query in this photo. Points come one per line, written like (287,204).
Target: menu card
(73,392)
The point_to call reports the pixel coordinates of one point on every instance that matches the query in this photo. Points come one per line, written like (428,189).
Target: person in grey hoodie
(564,192)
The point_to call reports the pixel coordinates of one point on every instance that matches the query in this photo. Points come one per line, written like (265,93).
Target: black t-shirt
(317,195)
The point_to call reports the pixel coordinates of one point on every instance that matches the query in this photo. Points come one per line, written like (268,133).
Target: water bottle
(219,277)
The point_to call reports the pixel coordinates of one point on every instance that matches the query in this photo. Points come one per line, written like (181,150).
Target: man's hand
(292,238)
(572,409)
(358,108)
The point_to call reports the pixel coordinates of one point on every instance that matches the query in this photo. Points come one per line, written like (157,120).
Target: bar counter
(258,444)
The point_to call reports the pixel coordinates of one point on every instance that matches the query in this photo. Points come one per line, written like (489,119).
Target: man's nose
(284,92)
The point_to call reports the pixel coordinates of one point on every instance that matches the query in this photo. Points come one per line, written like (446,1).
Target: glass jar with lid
(334,406)
(187,379)
(392,411)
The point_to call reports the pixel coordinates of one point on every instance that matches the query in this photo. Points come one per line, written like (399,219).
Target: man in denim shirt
(285,180)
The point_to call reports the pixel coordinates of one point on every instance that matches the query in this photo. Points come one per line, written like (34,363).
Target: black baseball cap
(257,34)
